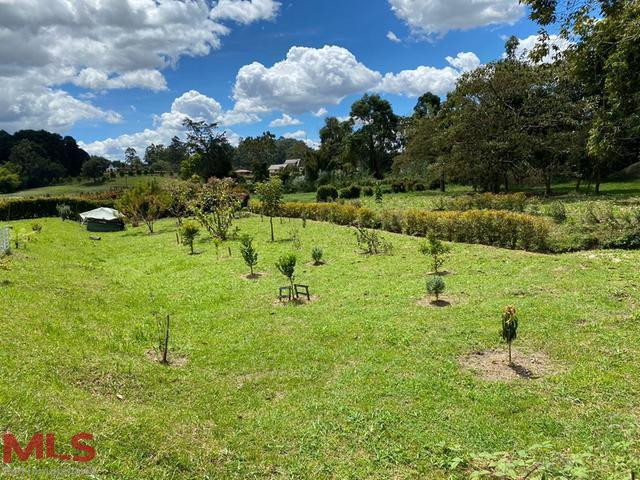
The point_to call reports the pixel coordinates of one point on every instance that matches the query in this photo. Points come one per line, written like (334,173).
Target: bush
(286,265)
(437,250)
(316,255)
(64,211)
(39,207)
(367,191)
(557,211)
(398,186)
(326,193)
(435,286)
(515,202)
(248,252)
(370,242)
(420,187)
(188,233)
(36,227)
(146,202)
(352,191)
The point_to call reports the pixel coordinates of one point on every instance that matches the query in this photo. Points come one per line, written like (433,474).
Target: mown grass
(362,383)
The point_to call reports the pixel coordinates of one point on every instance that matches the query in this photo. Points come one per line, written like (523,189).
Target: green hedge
(488,227)
(37,207)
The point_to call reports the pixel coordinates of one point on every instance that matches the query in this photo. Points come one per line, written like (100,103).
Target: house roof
(294,162)
(277,167)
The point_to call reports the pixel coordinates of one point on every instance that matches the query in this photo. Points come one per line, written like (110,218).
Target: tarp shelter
(102,219)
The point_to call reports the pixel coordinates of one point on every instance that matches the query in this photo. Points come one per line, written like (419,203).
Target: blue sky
(132,83)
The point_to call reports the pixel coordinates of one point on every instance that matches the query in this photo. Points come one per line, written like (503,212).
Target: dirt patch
(493,365)
(254,276)
(314,264)
(430,302)
(302,300)
(175,360)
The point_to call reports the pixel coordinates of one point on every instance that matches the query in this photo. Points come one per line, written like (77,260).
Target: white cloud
(321,112)
(393,37)
(307,79)
(298,134)
(556,43)
(439,81)
(192,104)
(245,11)
(101,45)
(429,17)
(284,121)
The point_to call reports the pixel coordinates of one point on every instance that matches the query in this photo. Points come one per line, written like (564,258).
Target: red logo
(44,446)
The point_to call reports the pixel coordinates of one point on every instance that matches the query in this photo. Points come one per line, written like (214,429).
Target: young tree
(286,265)
(435,286)
(215,206)
(437,250)
(509,327)
(188,233)
(145,202)
(248,252)
(94,168)
(180,195)
(316,255)
(270,195)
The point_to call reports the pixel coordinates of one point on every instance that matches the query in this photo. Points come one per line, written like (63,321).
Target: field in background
(361,383)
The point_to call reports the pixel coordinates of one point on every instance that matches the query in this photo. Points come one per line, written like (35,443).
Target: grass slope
(362,383)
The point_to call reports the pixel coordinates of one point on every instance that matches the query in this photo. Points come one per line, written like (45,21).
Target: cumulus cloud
(298,134)
(393,37)
(285,121)
(437,17)
(103,45)
(245,11)
(439,81)
(307,79)
(321,112)
(557,45)
(191,104)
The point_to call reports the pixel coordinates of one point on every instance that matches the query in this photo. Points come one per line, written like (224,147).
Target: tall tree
(211,149)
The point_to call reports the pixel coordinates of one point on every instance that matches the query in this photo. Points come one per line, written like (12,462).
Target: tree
(131,158)
(180,196)
(29,160)
(188,233)
(437,250)
(258,153)
(377,140)
(248,252)
(94,168)
(9,180)
(145,202)
(509,327)
(435,286)
(286,265)
(428,106)
(270,195)
(215,206)
(211,152)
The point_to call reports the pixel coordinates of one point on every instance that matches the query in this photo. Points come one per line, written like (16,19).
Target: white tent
(102,219)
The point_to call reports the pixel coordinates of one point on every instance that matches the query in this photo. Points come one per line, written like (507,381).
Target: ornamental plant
(435,286)
(248,252)
(188,233)
(509,327)
(286,265)
(437,250)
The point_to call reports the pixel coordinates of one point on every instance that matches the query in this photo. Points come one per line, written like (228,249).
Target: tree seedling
(435,286)
(248,252)
(188,233)
(316,255)
(286,265)
(437,250)
(509,327)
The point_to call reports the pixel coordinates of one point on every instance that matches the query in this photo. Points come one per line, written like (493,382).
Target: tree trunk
(442,182)
(165,350)
(547,185)
(271,223)
(598,180)
(191,245)
(578,182)
(506,183)
(510,362)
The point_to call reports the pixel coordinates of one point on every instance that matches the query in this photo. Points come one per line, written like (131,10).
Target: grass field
(83,186)
(361,383)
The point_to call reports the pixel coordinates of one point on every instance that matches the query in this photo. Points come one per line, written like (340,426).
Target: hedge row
(488,227)
(515,202)
(24,208)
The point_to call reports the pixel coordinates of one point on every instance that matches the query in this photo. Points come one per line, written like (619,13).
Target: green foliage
(215,205)
(9,180)
(189,230)
(286,265)
(94,168)
(64,211)
(36,227)
(248,252)
(146,202)
(557,211)
(326,193)
(378,193)
(509,327)
(367,191)
(317,255)
(211,152)
(370,242)
(352,191)
(515,202)
(37,207)
(270,195)
(437,250)
(435,286)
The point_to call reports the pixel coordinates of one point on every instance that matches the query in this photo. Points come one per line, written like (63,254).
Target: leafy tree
(146,202)
(180,195)
(248,252)
(95,167)
(211,152)
(131,158)
(215,206)
(258,153)
(29,160)
(334,148)
(270,195)
(509,327)
(435,286)
(9,180)
(188,233)
(286,265)
(437,250)
(377,139)
(428,106)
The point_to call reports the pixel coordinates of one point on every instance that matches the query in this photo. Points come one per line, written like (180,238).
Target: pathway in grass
(362,382)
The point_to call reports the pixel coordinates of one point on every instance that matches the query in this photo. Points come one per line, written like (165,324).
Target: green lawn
(83,186)
(362,383)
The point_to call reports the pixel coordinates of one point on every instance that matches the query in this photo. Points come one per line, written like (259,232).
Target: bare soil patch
(493,365)
(431,302)
(175,360)
(254,275)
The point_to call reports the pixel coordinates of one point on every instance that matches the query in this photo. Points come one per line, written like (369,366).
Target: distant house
(293,164)
(111,169)
(243,173)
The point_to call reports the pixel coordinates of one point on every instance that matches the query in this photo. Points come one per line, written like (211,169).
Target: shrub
(420,187)
(326,193)
(352,191)
(215,207)
(367,191)
(248,252)
(398,186)
(378,193)
(188,233)
(515,202)
(437,250)
(435,286)
(146,202)
(64,211)
(370,242)
(36,227)
(391,221)
(509,327)
(286,265)
(557,211)
(316,255)
(38,207)
(270,194)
